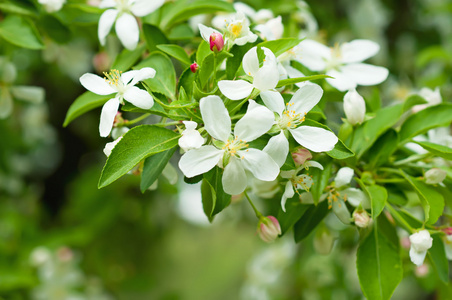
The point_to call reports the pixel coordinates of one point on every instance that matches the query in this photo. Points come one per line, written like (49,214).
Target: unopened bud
(435,176)
(268,229)
(119,120)
(301,156)
(216,42)
(448,231)
(194,67)
(361,218)
(354,107)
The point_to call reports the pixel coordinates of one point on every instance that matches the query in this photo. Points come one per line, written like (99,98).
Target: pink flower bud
(268,229)
(194,67)
(361,218)
(301,156)
(216,42)
(448,230)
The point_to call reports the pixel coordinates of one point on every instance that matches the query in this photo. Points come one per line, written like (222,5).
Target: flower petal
(358,50)
(356,197)
(314,138)
(138,97)
(96,84)
(354,107)
(314,55)
(267,77)
(199,161)
(234,177)
(235,89)
(127,30)
(341,211)
(107,3)
(206,32)
(278,148)
(340,81)
(107,116)
(216,117)
(364,74)
(105,23)
(313,164)
(417,257)
(344,176)
(288,193)
(273,100)
(270,58)
(137,75)
(250,62)
(257,121)
(141,8)
(260,164)
(306,98)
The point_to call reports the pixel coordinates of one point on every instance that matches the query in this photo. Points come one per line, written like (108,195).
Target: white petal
(274,101)
(206,32)
(138,97)
(105,23)
(270,58)
(141,8)
(356,197)
(127,30)
(314,138)
(354,107)
(364,74)
(278,148)
(294,73)
(344,176)
(234,177)
(190,125)
(313,164)
(107,3)
(199,161)
(306,98)
(107,116)
(235,89)
(137,75)
(266,78)
(257,121)
(190,139)
(109,146)
(341,211)
(340,81)
(288,193)
(358,50)
(96,84)
(250,62)
(417,257)
(216,117)
(260,164)
(314,55)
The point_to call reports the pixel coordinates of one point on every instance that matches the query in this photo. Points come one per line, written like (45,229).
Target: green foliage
(309,220)
(177,52)
(21,32)
(214,199)
(84,103)
(153,167)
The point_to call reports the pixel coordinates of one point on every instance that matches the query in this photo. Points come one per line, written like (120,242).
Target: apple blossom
(420,243)
(123,12)
(232,151)
(123,84)
(361,218)
(268,229)
(191,138)
(272,30)
(263,78)
(216,42)
(343,63)
(354,107)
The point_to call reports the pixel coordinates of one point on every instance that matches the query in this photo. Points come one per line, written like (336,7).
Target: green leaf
(137,144)
(366,135)
(289,81)
(55,29)
(426,119)
(310,219)
(203,52)
(378,197)
(153,167)
(127,58)
(16,7)
(294,211)
(153,37)
(440,150)
(182,10)
(383,148)
(413,100)
(214,199)
(437,255)
(177,52)
(186,80)
(84,103)
(432,201)
(379,265)
(181,32)
(164,81)
(280,46)
(20,32)
(320,177)
(340,151)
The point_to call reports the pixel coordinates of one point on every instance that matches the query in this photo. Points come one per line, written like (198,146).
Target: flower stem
(411,159)
(258,214)
(214,70)
(240,105)
(163,124)
(399,218)
(134,121)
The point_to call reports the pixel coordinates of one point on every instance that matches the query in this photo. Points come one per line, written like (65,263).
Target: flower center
(114,78)
(236,29)
(304,181)
(123,5)
(290,118)
(234,145)
(334,196)
(336,58)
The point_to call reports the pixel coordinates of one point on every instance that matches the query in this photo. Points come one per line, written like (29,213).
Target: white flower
(232,150)
(435,176)
(259,16)
(433,97)
(191,138)
(420,243)
(272,30)
(123,14)
(238,30)
(109,146)
(264,78)
(344,63)
(117,134)
(124,87)
(52,5)
(354,107)
(291,117)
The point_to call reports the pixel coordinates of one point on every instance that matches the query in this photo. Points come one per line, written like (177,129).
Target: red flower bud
(194,67)
(216,42)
